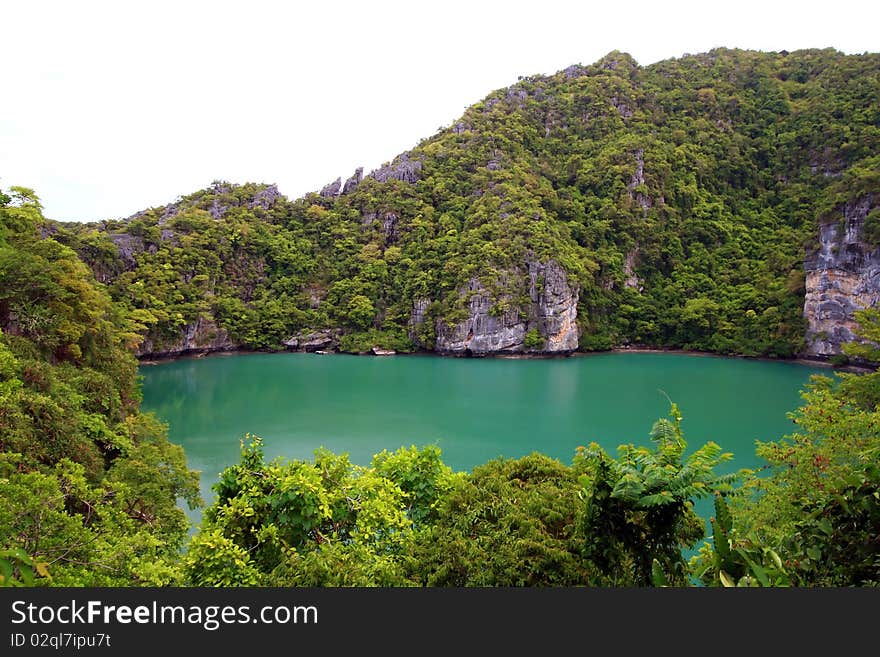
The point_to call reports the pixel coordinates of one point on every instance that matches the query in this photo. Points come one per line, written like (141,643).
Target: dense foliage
(407,520)
(678,197)
(812,517)
(89,485)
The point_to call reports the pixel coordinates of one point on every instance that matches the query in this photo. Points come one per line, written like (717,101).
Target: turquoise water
(473,409)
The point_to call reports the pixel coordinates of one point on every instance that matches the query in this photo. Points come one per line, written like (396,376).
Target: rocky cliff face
(402,168)
(547,324)
(314,340)
(418,316)
(842,276)
(201,336)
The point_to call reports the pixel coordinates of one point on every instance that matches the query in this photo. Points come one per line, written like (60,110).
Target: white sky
(107,108)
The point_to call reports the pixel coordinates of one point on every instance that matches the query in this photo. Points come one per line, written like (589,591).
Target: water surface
(473,409)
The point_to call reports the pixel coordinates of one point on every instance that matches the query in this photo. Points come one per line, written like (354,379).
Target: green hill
(727,202)
(672,205)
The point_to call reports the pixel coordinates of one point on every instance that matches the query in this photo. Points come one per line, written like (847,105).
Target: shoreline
(798,360)
(816,361)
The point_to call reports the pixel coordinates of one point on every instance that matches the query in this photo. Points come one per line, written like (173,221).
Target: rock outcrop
(128,247)
(354,181)
(403,168)
(632,279)
(265,198)
(320,340)
(485,330)
(201,336)
(331,190)
(637,182)
(417,318)
(842,276)
(546,325)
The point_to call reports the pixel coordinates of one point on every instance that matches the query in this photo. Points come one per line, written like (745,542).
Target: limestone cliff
(323,339)
(201,336)
(545,324)
(842,276)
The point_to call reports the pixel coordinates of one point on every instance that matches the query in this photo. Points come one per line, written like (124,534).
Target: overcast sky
(112,107)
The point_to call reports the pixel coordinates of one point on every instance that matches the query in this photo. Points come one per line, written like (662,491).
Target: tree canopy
(678,198)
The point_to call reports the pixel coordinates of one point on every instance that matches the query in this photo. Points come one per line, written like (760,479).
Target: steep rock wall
(201,336)
(842,276)
(551,311)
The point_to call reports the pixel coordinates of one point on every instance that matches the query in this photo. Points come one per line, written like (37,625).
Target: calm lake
(473,409)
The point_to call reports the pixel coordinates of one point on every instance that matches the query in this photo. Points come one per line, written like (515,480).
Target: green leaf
(27,574)
(5,571)
(722,513)
(774,557)
(726,579)
(657,574)
(756,569)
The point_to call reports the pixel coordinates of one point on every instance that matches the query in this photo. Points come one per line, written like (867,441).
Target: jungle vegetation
(680,197)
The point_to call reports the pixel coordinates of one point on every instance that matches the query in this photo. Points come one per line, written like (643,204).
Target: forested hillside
(88,485)
(726,202)
(697,203)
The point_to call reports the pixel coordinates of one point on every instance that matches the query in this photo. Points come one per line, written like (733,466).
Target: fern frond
(657,499)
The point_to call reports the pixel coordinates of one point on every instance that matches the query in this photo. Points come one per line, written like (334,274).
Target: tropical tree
(327,522)
(639,507)
(816,502)
(509,522)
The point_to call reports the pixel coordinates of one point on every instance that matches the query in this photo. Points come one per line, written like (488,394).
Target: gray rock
(417,316)
(482,332)
(217,208)
(842,276)
(322,339)
(554,306)
(316,294)
(127,246)
(402,168)
(48,230)
(354,181)
(265,198)
(168,212)
(638,178)
(552,311)
(200,336)
(331,190)
(621,106)
(574,71)
(629,270)
(389,227)
(389,224)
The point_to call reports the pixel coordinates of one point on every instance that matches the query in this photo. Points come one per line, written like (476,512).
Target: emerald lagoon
(474,409)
